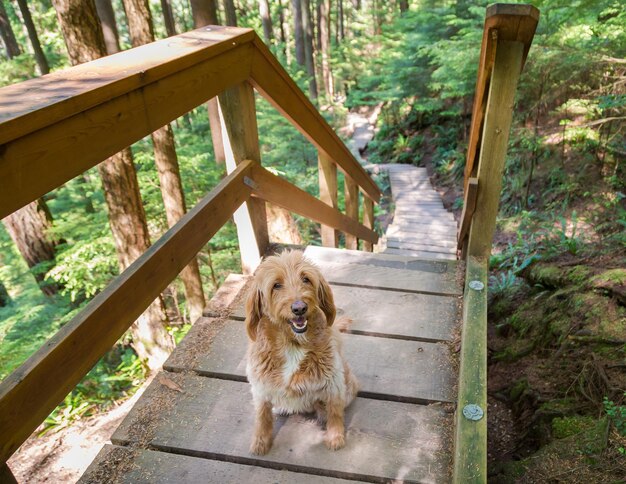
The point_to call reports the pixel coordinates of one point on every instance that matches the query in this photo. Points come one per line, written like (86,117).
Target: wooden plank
(470,454)
(469,207)
(226,295)
(419,253)
(427,277)
(39,102)
(421,228)
(34,164)
(214,418)
(149,466)
(434,240)
(389,369)
(418,246)
(274,189)
(368,221)
(351,198)
(375,312)
(328,194)
(498,118)
(273,82)
(32,391)
(241,142)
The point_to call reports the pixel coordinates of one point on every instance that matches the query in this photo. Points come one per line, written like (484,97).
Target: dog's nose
(299,308)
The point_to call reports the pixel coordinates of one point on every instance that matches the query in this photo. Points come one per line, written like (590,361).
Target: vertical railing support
(368,220)
(352,209)
(498,115)
(328,194)
(241,142)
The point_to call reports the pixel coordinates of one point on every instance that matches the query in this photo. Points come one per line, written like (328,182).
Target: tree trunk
(308,47)
(109,26)
(231,13)
(404,6)
(141,32)
(29,227)
(7,34)
(168,16)
(85,42)
(281,226)
(42,62)
(205,13)
(324,22)
(340,14)
(283,33)
(266,20)
(298,33)
(5,299)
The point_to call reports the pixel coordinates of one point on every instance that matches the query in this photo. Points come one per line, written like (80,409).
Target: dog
(294,360)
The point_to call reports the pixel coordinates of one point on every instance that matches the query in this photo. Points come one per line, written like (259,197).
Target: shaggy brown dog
(295,363)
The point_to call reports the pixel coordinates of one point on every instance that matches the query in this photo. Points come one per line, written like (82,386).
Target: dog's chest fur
(293,356)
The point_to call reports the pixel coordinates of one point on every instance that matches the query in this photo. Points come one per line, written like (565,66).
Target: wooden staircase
(196,418)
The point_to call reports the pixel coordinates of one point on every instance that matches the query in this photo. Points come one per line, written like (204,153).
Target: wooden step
(213,419)
(420,254)
(434,228)
(420,246)
(388,369)
(150,466)
(425,239)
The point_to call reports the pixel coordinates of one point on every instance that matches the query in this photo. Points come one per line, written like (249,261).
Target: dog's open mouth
(298,324)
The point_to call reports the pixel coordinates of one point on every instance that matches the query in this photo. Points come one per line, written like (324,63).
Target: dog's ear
(254,310)
(326,301)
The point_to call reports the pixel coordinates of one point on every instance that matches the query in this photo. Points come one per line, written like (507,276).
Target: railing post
(241,142)
(328,194)
(352,209)
(498,116)
(368,220)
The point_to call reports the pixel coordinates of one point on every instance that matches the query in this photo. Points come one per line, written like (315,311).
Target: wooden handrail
(29,394)
(55,127)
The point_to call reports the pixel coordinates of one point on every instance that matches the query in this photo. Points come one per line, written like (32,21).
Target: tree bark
(7,34)
(168,16)
(5,299)
(308,47)
(109,26)
(40,57)
(340,14)
(85,42)
(231,13)
(324,23)
(266,20)
(404,6)
(205,13)
(142,32)
(29,228)
(298,33)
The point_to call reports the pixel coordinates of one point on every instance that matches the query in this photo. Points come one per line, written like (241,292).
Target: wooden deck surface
(421,226)
(194,422)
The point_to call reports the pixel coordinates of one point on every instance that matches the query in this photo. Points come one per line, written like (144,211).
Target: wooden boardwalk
(421,226)
(194,422)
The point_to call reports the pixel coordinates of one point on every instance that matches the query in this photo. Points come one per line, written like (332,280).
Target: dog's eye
(306,280)
(277,285)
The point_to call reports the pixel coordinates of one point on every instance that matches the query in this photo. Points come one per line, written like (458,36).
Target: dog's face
(291,292)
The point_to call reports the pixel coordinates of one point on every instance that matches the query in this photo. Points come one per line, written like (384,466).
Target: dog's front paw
(260,445)
(335,441)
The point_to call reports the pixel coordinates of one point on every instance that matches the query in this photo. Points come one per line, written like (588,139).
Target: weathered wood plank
(32,391)
(214,418)
(149,466)
(391,369)
(432,239)
(351,199)
(403,244)
(419,228)
(421,254)
(470,456)
(327,172)
(368,221)
(226,295)
(376,312)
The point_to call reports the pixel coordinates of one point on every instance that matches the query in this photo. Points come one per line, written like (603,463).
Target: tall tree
(40,57)
(7,34)
(266,20)
(340,16)
(231,13)
(85,41)
(308,47)
(29,227)
(142,32)
(168,17)
(404,6)
(324,27)
(5,299)
(109,26)
(298,32)
(205,13)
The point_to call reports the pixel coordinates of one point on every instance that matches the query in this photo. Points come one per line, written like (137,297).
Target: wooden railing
(508,33)
(55,127)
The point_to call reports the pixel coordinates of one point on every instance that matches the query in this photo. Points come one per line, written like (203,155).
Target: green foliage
(617,414)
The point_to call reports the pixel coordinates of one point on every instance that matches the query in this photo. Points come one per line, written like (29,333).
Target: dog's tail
(342,323)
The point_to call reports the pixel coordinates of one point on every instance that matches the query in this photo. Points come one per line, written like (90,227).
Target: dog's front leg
(335,432)
(263,427)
